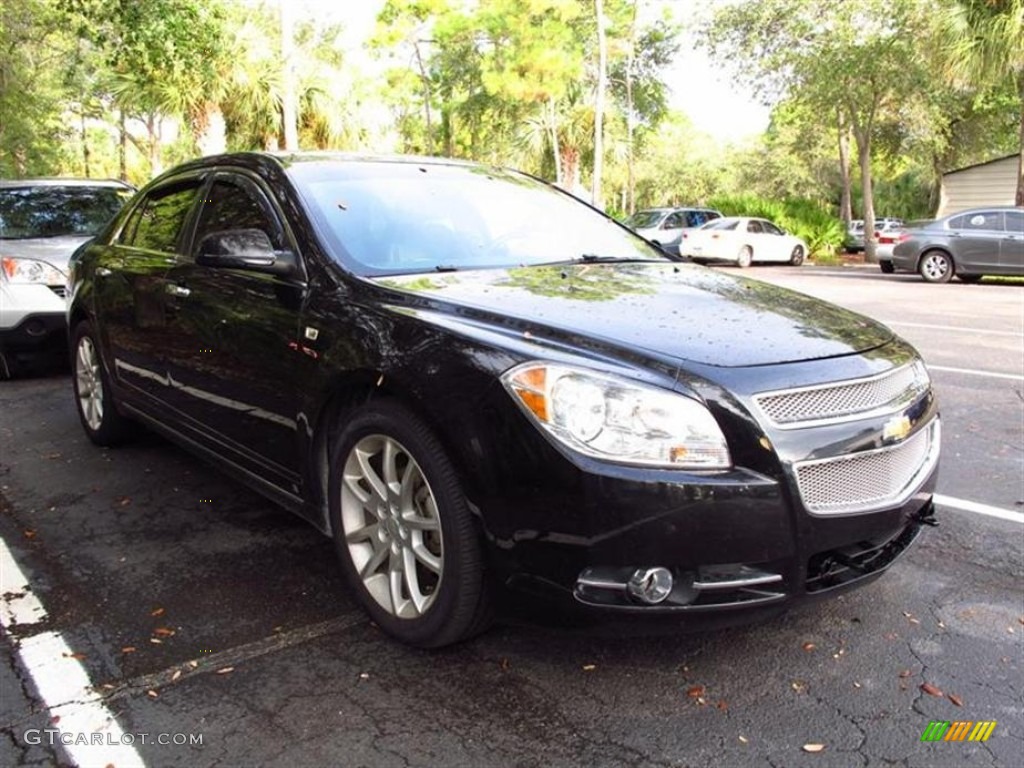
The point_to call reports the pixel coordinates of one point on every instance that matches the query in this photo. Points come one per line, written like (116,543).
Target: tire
(969,278)
(796,258)
(936,267)
(94,397)
(7,370)
(745,257)
(422,583)
(887,267)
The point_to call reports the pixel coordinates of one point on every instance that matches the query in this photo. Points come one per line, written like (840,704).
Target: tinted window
(770,228)
(984,221)
(52,211)
(753,226)
(156,224)
(675,221)
(644,219)
(725,224)
(236,206)
(1014,222)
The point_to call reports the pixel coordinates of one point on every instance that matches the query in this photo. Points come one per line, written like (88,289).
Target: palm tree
(985,40)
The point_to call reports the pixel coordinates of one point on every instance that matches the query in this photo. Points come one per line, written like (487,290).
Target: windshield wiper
(445,268)
(593,258)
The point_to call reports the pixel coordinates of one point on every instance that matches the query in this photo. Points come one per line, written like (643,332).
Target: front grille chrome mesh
(851,399)
(860,482)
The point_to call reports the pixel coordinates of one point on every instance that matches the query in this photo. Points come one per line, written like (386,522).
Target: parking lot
(198,609)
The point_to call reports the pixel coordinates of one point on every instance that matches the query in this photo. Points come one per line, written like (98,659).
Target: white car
(664,227)
(42,222)
(743,241)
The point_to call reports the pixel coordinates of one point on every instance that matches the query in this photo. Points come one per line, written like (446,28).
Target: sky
(714,103)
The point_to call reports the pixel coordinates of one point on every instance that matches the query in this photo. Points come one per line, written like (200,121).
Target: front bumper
(36,331)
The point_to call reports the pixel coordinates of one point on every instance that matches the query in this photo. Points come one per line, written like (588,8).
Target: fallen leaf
(364,675)
(930,689)
(77,656)
(696,691)
(225,670)
(52,456)
(1021,619)
(813,748)
(744,740)
(891,636)
(798,685)
(156,640)
(55,719)
(941,625)
(505,665)
(914,621)
(163,632)
(152,693)
(589,667)
(176,675)
(857,685)
(955,699)
(157,612)
(722,706)
(907,614)
(809,646)
(124,501)
(107,687)
(701,701)
(30,534)
(193,664)
(905,673)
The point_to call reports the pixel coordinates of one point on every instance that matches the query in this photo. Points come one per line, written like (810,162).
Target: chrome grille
(860,482)
(850,399)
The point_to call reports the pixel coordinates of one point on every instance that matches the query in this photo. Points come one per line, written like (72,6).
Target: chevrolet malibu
(491,395)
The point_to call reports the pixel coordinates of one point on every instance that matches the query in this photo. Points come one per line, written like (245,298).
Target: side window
(983,221)
(770,229)
(695,218)
(674,221)
(232,206)
(1014,222)
(156,224)
(754,226)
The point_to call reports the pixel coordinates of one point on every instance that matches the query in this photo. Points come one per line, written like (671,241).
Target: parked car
(743,241)
(489,394)
(664,227)
(42,222)
(885,232)
(855,236)
(969,244)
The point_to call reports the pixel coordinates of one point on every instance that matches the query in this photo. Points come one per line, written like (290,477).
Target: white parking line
(93,735)
(1015,334)
(980,509)
(973,372)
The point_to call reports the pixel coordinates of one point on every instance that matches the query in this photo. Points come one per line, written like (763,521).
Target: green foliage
(812,222)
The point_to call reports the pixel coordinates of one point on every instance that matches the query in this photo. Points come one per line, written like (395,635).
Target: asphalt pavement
(215,630)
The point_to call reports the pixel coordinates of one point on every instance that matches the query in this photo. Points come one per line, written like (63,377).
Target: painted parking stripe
(1015,334)
(973,372)
(60,680)
(979,509)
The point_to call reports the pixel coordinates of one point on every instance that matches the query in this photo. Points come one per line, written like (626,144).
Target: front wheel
(796,258)
(936,267)
(403,531)
(745,257)
(887,267)
(93,394)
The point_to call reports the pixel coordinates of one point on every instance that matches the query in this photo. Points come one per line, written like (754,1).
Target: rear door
(1011,251)
(236,360)
(976,239)
(131,289)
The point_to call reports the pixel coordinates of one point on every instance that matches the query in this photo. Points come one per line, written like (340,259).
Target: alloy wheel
(90,385)
(391,526)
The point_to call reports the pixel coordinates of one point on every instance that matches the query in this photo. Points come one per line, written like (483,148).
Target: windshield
(385,218)
(54,211)
(645,219)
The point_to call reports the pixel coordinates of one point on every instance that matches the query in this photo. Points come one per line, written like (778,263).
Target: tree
(985,44)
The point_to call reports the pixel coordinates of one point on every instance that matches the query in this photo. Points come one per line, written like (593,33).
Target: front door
(236,361)
(1011,252)
(976,239)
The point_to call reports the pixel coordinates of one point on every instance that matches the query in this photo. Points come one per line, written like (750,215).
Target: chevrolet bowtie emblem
(896,429)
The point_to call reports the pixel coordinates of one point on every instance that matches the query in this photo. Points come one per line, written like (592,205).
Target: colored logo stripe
(983,730)
(959,730)
(935,731)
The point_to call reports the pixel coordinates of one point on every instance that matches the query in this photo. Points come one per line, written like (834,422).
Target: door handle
(179,291)
(103,272)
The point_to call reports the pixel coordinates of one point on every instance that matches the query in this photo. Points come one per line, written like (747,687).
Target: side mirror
(249,249)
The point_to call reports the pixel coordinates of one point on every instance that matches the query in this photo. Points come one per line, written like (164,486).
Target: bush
(812,222)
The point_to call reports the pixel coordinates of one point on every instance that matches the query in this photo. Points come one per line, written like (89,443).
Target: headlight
(618,420)
(30,271)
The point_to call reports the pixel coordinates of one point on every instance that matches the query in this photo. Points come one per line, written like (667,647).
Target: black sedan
(490,394)
(968,244)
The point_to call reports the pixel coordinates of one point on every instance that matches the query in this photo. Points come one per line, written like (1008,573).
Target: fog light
(650,585)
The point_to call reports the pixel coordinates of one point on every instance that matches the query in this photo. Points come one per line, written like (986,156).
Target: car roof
(62,182)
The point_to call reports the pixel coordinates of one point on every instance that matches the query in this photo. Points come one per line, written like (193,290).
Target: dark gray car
(968,244)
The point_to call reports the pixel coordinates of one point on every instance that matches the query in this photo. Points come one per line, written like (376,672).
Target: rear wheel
(887,267)
(796,258)
(936,267)
(745,257)
(403,531)
(94,397)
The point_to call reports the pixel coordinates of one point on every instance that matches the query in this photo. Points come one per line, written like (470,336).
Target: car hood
(682,311)
(53,250)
